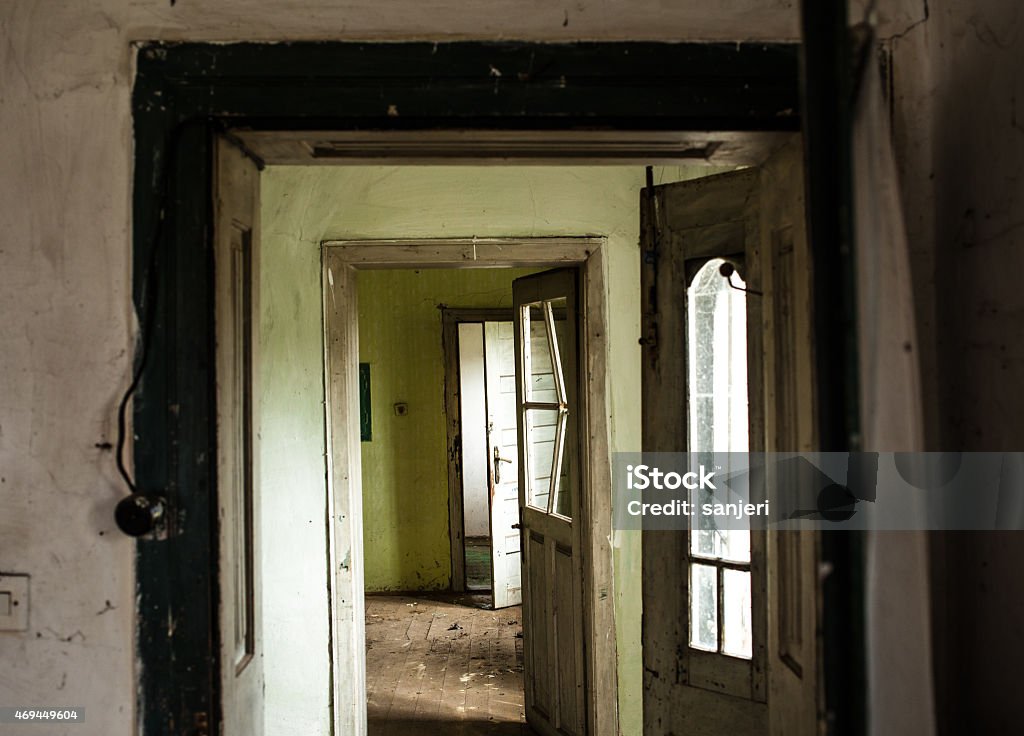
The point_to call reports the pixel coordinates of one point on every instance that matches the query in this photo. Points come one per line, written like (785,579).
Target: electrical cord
(139,512)
(148,308)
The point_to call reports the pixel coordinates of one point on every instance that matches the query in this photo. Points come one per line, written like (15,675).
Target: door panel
(705,681)
(237,300)
(790,427)
(548,414)
(506,565)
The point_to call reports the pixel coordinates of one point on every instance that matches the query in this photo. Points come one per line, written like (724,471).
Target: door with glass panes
(730,615)
(549,488)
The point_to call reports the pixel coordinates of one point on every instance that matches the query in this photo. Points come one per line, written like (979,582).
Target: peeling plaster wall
(65,340)
(460,201)
(65,175)
(405,466)
(496,19)
(958,84)
(293,471)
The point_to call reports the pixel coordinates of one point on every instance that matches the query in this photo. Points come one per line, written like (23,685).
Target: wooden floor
(434,666)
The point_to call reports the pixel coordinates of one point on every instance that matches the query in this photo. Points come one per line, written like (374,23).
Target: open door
(547,411)
(730,616)
(236,257)
(503,481)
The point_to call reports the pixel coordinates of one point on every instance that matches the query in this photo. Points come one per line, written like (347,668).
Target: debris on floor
(426,674)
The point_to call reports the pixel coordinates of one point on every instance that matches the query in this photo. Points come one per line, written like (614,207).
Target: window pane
(704,608)
(735,544)
(545,430)
(737,636)
(544,343)
(543,351)
(718,393)
(718,362)
(718,423)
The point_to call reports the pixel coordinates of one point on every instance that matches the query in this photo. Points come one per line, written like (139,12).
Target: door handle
(498,460)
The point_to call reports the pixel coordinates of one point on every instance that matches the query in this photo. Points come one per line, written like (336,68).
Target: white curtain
(900,695)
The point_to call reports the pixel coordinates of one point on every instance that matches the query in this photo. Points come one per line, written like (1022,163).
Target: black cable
(151,281)
(148,304)
(148,300)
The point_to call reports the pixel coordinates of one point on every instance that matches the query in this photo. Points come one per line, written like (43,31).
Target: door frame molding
(451,318)
(185,92)
(340,262)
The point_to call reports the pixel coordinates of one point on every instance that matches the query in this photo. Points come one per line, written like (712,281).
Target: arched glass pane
(718,362)
(718,423)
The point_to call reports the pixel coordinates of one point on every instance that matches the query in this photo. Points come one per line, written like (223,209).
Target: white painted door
(547,419)
(236,260)
(503,480)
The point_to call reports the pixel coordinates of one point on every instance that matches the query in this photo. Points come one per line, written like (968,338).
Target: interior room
(407,526)
(250,252)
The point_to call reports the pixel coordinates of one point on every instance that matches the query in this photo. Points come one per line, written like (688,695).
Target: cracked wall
(65,178)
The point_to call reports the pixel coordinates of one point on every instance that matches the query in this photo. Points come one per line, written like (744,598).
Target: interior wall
(531,201)
(293,491)
(65,285)
(959,128)
(406,544)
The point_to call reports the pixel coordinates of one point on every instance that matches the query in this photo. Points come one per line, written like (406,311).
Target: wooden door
(728,253)
(236,272)
(790,426)
(548,419)
(503,480)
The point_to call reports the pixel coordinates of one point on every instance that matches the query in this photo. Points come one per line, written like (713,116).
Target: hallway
(439,665)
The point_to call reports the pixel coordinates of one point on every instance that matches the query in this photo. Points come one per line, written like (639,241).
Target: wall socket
(13,602)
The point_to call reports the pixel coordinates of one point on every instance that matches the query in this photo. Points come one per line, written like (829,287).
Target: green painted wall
(405,469)
(303,206)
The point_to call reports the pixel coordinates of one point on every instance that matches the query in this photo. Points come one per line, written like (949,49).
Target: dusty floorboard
(434,666)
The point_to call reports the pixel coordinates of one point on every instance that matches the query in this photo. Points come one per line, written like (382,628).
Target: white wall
(293,493)
(65,178)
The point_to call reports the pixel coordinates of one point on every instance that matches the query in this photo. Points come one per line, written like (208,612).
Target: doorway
(345,263)
(482,454)
(767,84)
(437,660)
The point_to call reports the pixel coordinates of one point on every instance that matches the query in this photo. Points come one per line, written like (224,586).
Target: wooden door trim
(451,318)
(341,260)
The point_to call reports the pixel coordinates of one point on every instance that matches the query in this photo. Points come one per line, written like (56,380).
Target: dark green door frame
(184,93)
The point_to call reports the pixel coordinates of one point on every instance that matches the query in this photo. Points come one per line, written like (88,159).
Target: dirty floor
(442,665)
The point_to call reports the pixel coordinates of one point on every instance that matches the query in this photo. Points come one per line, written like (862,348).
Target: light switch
(13,602)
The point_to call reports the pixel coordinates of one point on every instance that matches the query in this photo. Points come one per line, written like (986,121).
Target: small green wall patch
(365,420)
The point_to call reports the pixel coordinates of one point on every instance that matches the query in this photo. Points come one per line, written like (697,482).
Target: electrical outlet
(13,602)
